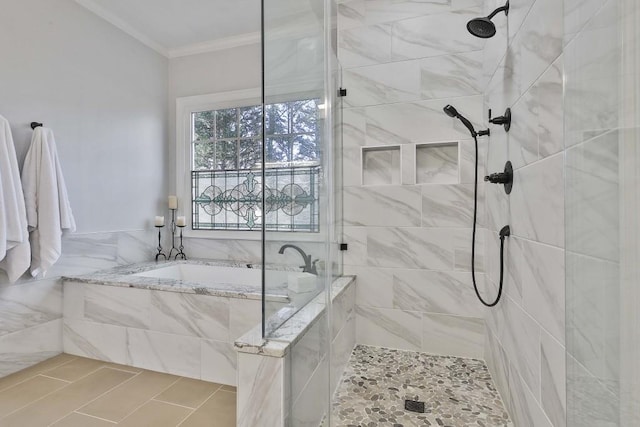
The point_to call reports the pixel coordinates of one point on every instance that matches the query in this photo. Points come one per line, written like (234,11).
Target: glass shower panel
(602,115)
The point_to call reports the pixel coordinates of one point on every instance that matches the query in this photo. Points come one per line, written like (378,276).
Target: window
(225,163)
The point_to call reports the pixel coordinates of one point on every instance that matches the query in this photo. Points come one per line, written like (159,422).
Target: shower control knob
(505,178)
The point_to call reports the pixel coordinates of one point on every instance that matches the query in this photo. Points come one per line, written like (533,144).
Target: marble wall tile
(306,356)
(592,206)
(576,14)
(383,83)
(540,271)
(354,127)
(351,14)
(175,354)
(244,315)
(356,238)
(29,304)
(462,246)
(367,45)
(498,365)
(24,348)
(420,121)
(388,328)
(310,407)
(451,75)
(524,408)
(550,93)
(218,362)
(261,390)
(553,380)
(191,314)
(408,163)
(441,292)
(341,349)
(95,340)
(537,202)
(434,35)
(118,306)
(424,248)
(343,309)
(136,246)
(520,337)
(396,206)
(453,335)
(85,253)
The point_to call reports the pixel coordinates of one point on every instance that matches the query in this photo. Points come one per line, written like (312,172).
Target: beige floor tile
(156,414)
(27,392)
(126,398)
(80,420)
(229,388)
(218,411)
(188,392)
(60,403)
(18,377)
(75,369)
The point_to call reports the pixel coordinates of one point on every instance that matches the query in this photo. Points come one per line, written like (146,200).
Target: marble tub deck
(457,392)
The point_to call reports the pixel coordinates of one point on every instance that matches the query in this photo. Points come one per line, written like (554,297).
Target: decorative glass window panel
(226,161)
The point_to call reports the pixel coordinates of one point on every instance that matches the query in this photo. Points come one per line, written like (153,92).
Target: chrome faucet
(308,267)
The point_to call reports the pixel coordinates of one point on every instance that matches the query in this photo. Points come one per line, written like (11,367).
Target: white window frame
(185,107)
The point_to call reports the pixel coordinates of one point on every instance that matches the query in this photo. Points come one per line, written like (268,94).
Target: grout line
(92,416)
(53,378)
(175,404)
(38,373)
(201,405)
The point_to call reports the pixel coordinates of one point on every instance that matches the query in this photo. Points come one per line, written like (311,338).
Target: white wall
(104,95)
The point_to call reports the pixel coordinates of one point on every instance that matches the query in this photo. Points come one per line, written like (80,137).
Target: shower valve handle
(498,178)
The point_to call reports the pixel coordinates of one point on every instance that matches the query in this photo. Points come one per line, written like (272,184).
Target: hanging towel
(48,209)
(15,252)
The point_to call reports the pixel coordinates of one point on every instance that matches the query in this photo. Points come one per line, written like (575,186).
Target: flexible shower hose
(473,244)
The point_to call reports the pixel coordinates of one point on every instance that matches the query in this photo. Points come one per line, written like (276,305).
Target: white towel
(15,253)
(48,209)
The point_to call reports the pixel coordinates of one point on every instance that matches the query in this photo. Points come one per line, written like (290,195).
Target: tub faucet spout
(309,266)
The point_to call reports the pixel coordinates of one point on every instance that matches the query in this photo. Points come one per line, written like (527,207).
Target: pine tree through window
(226,170)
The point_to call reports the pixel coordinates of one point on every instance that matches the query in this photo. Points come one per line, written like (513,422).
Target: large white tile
(118,306)
(173,354)
(453,335)
(451,75)
(194,315)
(244,315)
(24,348)
(553,380)
(389,328)
(29,304)
(95,341)
(219,362)
(397,205)
(261,390)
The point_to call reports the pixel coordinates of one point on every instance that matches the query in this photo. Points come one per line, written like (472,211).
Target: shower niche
(409,164)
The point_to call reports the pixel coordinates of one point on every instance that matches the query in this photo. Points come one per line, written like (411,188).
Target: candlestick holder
(181,254)
(173,234)
(160,253)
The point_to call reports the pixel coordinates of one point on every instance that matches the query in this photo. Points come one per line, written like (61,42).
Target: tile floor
(457,392)
(71,391)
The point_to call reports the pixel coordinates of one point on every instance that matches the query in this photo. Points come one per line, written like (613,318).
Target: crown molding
(119,23)
(215,45)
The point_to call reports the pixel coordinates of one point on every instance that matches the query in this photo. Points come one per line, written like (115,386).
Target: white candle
(159,222)
(181,221)
(173,202)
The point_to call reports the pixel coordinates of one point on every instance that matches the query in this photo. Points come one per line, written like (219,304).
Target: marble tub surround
(284,380)
(182,331)
(409,241)
(140,276)
(457,392)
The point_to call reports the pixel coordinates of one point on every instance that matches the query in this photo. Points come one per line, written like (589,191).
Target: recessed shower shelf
(381,165)
(437,163)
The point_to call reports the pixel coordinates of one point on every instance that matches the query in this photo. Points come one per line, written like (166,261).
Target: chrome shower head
(483,27)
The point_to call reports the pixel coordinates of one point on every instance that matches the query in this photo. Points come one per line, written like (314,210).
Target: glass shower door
(602,134)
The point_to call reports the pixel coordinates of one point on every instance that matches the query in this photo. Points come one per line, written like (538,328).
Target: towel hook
(36,125)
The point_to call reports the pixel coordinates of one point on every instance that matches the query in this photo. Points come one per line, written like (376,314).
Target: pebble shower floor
(457,392)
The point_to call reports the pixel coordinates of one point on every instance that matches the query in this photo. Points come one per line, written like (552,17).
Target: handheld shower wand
(505,232)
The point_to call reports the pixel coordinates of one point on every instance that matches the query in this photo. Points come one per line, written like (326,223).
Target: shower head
(483,27)
(450,111)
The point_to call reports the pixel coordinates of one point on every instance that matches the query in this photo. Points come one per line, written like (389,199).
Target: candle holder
(173,234)
(181,253)
(160,253)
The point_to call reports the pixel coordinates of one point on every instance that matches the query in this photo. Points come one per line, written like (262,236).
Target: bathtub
(178,317)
